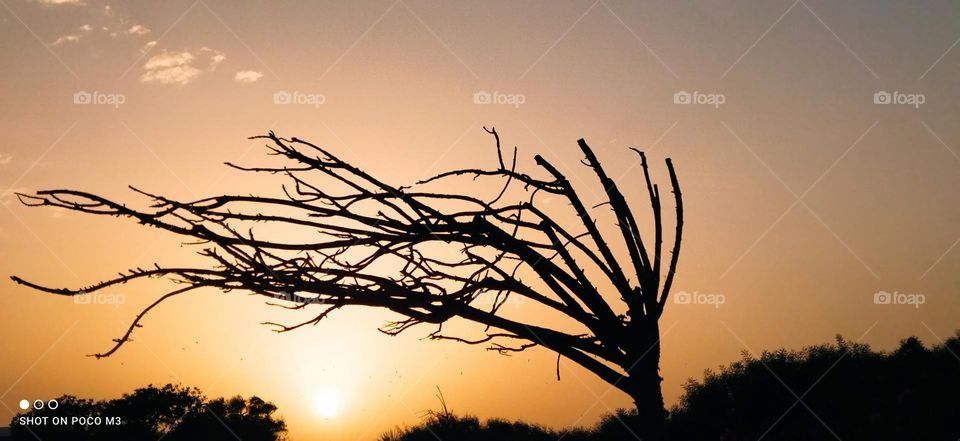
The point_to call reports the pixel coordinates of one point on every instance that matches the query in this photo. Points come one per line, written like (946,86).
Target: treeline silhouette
(841,390)
(834,391)
(170,412)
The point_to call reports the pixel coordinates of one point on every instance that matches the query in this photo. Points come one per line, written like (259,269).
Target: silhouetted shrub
(848,392)
(843,390)
(469,428)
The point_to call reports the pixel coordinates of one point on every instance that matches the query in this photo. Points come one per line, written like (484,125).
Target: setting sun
(326,404)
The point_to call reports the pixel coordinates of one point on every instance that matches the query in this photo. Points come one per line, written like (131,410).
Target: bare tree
(383,246)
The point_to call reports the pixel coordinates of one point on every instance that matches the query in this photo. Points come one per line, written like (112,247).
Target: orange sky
(803,197)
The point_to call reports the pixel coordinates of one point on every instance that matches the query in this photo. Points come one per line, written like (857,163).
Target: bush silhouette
(848,391)
(469,428)
(447,426)
(172,412)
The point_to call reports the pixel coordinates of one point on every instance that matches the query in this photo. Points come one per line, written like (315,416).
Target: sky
(816,143)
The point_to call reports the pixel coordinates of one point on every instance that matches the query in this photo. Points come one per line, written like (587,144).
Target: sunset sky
(825,171)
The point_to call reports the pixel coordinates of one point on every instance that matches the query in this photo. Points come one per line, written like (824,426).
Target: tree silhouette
(428,255)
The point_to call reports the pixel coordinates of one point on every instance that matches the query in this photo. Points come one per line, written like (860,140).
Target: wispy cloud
(138,30)
(148,46)
(170,68)
(247,76)
(216,57)
(180,68)
(65,39)
(168,59)
(5,159)
(106,21)
(60,2)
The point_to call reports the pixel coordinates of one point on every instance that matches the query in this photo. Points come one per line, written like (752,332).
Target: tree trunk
(644,387)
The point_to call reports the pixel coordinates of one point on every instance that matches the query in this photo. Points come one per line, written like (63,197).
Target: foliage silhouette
(848,391)
(428,253)
(469,428)
(447,425)
(911,393)
(170,412)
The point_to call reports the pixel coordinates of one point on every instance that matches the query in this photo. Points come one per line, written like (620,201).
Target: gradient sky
(803,197)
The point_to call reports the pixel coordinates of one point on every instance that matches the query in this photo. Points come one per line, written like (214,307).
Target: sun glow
(326,404)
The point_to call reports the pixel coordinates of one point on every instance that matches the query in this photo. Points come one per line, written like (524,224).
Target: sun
(326,404)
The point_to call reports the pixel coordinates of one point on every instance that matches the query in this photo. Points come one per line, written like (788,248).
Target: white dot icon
(24,404)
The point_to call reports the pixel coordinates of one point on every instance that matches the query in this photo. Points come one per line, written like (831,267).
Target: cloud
(247,76)
(5,159)
(65,39)
(60,2)
(181,75)
(138,30)
(170,68)
(146,48)
(168,59)
(180,68)
(216,58)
